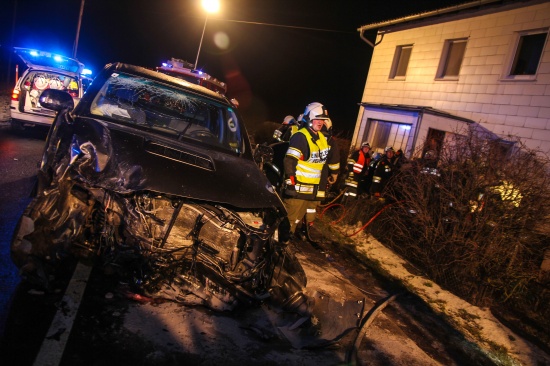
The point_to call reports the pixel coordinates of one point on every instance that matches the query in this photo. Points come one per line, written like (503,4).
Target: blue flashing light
(86,72)
(164,64)
(42,58)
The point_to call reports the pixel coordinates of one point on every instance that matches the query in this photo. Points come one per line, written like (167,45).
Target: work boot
(314,236)
(300,233)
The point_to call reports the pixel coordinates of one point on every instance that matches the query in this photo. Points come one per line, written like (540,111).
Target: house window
(381,135)
(451,58)
(400,62)
(385,133)
(527,54)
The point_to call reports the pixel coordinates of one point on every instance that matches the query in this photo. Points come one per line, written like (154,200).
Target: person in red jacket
(358,164)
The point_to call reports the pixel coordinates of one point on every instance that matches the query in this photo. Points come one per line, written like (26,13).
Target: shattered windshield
(170,111)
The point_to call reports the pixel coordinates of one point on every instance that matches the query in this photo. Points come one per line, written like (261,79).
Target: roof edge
(422,109)
(428,14)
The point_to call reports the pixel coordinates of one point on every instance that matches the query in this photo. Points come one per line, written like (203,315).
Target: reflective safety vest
(359,164)
(308,172)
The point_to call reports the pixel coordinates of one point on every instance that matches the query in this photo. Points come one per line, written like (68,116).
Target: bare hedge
(476,222)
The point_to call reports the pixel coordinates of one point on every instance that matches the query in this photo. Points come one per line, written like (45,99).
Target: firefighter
(329,176)
(304,162)
(382,172)
(358,164)
(399,159)
(288,128)
(331,169)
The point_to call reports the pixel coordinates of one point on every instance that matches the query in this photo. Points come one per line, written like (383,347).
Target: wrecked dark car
(155,177)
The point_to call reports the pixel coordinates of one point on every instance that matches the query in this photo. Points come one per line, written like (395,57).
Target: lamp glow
(210,6)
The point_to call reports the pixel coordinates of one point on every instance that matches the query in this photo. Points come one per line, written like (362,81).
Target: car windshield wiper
(180,135)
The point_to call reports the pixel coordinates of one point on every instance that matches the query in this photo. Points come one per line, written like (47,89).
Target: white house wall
(505,107)
(449,125)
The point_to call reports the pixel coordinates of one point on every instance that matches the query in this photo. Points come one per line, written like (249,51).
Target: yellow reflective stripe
(334,166)
(321,194)
(303,188)
(307,176)
(311,210)
(311,168)
(308,172)
(295,153)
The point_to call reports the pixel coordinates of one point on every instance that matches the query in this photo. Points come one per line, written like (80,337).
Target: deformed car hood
(125,159)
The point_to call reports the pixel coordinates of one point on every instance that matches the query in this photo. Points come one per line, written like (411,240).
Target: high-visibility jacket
(359,161)
(309,164)
(358,164)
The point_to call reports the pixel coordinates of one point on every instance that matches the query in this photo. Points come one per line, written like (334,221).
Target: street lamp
(75,46)
(210,6)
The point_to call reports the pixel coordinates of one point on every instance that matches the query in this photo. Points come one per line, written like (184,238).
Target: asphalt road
(19,157)
(91,319)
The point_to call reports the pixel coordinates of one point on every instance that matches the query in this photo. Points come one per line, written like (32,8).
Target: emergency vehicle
(45,70)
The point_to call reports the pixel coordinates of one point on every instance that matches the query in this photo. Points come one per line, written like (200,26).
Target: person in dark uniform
(287,129)
(330,172)
(304,162)
(382,172)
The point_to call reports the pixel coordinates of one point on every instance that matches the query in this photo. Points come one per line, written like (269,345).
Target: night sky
(276,55)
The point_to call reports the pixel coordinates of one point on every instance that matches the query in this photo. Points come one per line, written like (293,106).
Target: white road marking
(57,336)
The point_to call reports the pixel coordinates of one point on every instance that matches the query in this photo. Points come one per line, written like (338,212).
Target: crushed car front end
(155,177)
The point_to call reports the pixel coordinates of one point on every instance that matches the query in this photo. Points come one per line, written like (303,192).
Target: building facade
(484,62)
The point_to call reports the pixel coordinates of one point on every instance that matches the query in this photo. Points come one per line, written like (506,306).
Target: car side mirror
(56,100)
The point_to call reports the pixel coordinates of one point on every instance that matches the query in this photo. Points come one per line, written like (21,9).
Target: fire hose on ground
(366,321)
(344,214)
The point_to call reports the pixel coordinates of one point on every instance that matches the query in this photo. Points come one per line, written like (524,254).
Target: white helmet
(315,110)
(289,120)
